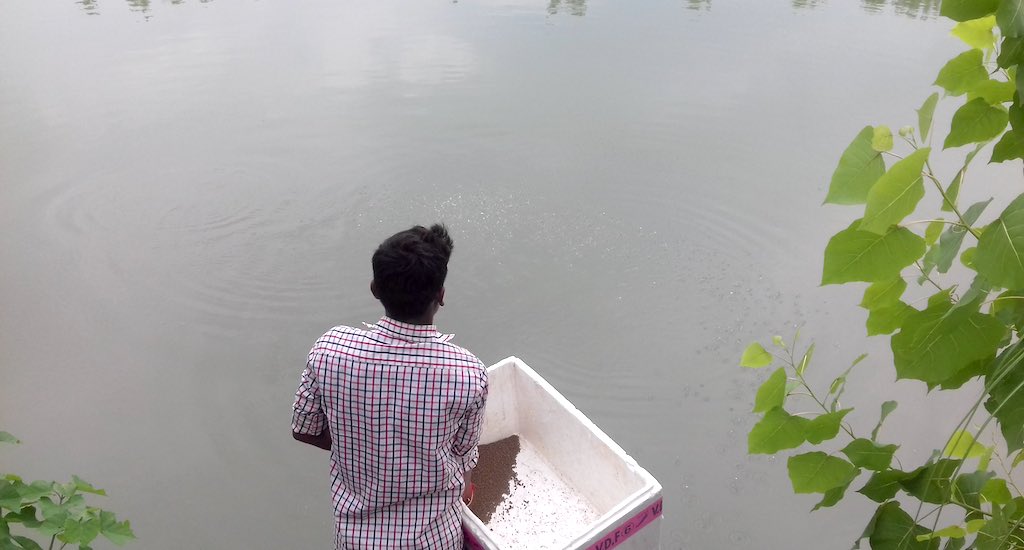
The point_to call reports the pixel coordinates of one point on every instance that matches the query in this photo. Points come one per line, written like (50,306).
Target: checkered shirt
(404,406)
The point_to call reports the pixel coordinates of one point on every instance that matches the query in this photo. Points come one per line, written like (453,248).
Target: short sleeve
(307,414)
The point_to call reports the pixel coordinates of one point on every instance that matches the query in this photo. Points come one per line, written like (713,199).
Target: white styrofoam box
(625,495)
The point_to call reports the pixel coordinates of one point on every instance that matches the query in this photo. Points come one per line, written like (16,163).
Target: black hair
(409,269)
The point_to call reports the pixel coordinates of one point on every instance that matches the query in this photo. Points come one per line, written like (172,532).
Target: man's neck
(425,319)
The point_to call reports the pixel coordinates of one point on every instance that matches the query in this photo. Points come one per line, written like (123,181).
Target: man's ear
(373,289)
(440,297)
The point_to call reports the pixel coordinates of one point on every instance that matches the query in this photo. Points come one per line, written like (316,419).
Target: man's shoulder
(339,335)
(464,359)
(462,353)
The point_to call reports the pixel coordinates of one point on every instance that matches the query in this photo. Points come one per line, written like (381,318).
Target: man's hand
(323,440)
(467,492)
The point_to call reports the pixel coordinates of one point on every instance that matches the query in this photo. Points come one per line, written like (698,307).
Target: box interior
(519,403)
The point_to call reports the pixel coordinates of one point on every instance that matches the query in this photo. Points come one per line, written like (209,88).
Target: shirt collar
(410,332)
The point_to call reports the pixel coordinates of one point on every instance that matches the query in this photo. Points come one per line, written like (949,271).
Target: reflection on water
(801,4)
(88,6)
(698,5)
(573,7)
(91,7)
(920,9)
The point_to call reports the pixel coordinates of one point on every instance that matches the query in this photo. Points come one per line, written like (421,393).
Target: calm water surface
(189,194)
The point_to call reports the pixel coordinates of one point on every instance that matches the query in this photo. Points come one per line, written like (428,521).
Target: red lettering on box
(628,528)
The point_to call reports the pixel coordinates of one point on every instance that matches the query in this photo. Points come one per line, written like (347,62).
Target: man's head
(409,269)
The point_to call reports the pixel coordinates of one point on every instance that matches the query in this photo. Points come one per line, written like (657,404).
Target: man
(398,406)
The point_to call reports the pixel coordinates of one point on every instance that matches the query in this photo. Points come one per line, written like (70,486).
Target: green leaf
(755,357)
(27,543)
(977,293)
(772,393)
(779,342)
(965,10)
(1011,52)
(959,75)
(8,438)
(936,343)
(896,193)
(32,493)
(10,497)
(967,257)
(883,293)
(977,33)
(85,487)
(116,532)
(933,483)
(26,516)
(869,455)
(886,311)
(75,506)
(1006,395)
(81,531)
(1016,112)
(1008,307)
(825,426)
(994,92)
(838,385)
(953,191)
(1000,256)
(925,114)
(1010,17)
(996,492)
(994,534)
(887,408)
(968,487)
(1018,80)
(817,472)
(54,516)
(953,531)
(974,122)
(962,445)
(985,459)
(934,229)
(942,255)
(896,530)
(884,485)
(801,368)
(973,370)
(859,168)
(854,255)
(1009,147)
(833,496)
(888,319)
(778,430)
(881,139)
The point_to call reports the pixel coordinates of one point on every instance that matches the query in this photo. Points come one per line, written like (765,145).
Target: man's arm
(309,423)
(323,440)
(468,436)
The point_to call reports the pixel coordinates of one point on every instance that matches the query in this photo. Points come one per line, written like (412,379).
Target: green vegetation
(964,321)
(56,511)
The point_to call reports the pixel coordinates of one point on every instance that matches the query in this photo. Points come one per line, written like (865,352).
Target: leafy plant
(966,325)
(57,511)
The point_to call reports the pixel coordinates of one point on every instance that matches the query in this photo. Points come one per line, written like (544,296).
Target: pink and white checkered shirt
(404,406)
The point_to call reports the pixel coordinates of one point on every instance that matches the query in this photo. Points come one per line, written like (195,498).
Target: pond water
(189,194)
